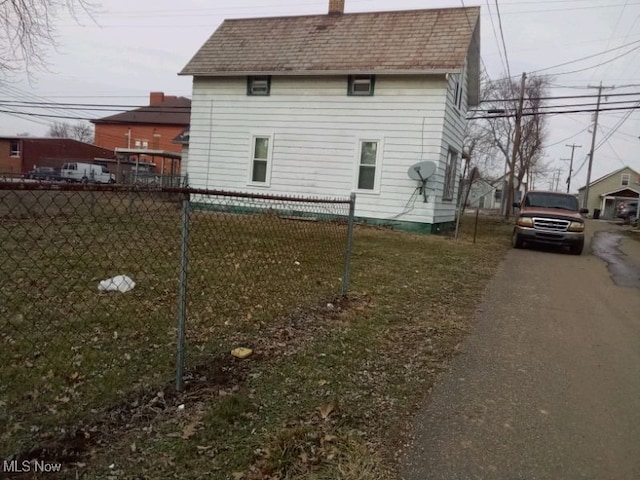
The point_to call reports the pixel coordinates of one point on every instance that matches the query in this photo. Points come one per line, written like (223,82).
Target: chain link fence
(209,267)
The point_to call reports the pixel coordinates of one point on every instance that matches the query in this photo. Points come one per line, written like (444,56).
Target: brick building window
(14,148)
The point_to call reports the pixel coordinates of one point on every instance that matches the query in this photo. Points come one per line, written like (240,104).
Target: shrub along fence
(110,290)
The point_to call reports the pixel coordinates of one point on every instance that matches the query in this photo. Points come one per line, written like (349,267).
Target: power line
(584,162)
(566,139)
(504,45)
(599,64)
(615,28)
(565,105)
(105,108)
(495,36)
(118,106)
(616,154)
(567,9)
(587,57)
(559,112)
(616,127)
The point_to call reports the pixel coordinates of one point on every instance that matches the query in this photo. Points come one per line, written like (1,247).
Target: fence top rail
(75,187)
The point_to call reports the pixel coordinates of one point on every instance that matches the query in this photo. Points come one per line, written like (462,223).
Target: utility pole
(573,149)
(557,179)
(516,148)
(585,200)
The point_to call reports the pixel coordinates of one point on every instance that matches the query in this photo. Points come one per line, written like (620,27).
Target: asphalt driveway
(548,384)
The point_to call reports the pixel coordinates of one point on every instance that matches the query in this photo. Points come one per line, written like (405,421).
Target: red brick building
(153,127)
(18,155)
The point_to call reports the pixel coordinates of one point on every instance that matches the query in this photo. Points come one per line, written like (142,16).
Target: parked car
(86,173)
(628,210)
(44,173)
(550,218)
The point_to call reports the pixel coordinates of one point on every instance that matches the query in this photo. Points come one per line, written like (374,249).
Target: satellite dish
(422,170)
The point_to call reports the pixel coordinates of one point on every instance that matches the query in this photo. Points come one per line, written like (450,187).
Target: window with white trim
(260,160)
(368,165)
(450,175)
(361,85)
(625,179)
(259,85)
(14,148)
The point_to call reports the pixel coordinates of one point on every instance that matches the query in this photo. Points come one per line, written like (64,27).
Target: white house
(326,105)
(486,194)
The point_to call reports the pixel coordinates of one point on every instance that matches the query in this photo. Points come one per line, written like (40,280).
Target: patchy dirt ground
(222,374)
(328,391)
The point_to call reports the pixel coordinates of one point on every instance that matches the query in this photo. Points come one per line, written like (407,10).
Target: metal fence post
(347,257)
(182,292)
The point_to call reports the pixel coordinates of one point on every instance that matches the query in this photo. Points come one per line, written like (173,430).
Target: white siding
(184,162)
(452,138)
(316,129)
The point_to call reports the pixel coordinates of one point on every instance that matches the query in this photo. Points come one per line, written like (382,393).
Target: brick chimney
(156,98)
(336,7)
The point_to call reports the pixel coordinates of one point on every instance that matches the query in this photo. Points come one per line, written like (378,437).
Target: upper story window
(450,175)
(625,179)
(361,85)
(457,89)
(259,85)
(14,148)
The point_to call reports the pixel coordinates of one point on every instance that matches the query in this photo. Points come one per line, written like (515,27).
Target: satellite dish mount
(421,172)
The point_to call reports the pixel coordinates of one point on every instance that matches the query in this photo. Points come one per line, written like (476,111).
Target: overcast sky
(138,47)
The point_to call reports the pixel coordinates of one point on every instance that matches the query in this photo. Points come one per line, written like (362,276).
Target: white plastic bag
(119,283)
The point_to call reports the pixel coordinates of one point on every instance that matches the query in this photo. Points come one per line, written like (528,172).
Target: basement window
(361,85)
(259,85)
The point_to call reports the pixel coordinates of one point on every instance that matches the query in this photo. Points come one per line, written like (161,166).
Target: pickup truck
(549,218)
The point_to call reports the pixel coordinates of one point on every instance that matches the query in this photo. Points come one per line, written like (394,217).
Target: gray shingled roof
(417,41)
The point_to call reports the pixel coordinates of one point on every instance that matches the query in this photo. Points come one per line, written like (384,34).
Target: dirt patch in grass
(219,382)
(331,387)
(69,350)
(330,399)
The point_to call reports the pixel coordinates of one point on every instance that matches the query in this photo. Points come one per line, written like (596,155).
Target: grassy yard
(87,378)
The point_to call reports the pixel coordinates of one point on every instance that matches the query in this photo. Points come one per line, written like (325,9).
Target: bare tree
(81,131)
(492,138)
(27,30)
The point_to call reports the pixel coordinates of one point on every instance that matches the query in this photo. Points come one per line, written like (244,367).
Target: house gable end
(634,175)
